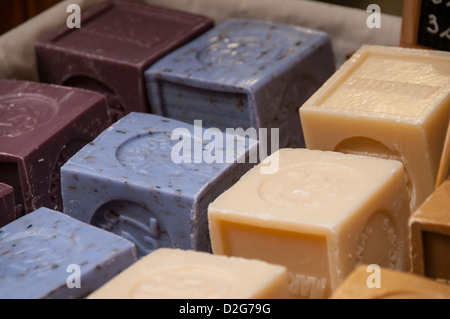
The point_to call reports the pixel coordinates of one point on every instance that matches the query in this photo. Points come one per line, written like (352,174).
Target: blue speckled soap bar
(243,73)
(126,181)
(40,253)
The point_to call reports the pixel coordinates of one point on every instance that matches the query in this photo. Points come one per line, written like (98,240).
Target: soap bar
(430,235)
(320,215)
(7,212)
(243,73)
(47,254)
(41,126)
(117,41)
(387,102)
(186,274)
(128,181)
(362,284)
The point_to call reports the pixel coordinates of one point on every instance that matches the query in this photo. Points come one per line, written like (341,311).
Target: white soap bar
(187,274)
(320,215)
(387,102)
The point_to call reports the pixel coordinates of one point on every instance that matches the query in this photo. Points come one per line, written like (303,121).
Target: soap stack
(164,156)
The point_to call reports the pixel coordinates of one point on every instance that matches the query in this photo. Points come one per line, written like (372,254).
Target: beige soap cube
(169,273)
(430,236)
(386,102)
(320,215)
(368,282)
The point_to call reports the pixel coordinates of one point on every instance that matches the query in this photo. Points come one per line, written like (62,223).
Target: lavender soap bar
(47,254)
(116,42)
(130,181)
(243,73)
(41,126)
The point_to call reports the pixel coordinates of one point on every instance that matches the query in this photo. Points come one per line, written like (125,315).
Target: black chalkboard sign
(434,24)
(426,24)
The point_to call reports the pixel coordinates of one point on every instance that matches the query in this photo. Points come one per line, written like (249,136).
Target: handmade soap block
(320,215)
(130,181)
(7,212)
(41,126)
(186,274)
(430,236)
(117,41)
(386,102)
(243,73)
(361,284)
(47,254)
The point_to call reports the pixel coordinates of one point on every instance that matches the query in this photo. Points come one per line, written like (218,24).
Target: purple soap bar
(117,41)
(129,181)
(47,254)
(243,73)
(7,213)
(41,126)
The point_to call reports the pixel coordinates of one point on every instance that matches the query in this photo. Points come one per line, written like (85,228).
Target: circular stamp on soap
(149,154)
(248,49)
(20,114)
(184,282)
(27,251)
(378,243)
(306,185)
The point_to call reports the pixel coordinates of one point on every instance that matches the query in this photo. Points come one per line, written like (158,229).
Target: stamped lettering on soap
(379,238)
(20,114)
(178,282)
(296,93)
(307,286)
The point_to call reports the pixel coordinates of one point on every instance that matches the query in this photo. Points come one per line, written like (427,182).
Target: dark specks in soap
(165,121)
(298,43)
(29,226)
(122,132)
(167,70)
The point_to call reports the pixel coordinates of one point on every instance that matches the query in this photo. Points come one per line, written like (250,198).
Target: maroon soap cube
(116,43)
(41,127)
(7,213)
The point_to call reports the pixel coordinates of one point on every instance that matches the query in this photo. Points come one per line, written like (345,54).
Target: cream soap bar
(370,283)
(386,102)
(320,215)
(430,236)
(187,274)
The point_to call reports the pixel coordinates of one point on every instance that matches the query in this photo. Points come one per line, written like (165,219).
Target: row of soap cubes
(268,70)
(319,206)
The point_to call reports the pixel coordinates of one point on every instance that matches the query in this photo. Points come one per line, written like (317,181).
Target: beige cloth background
(346,26)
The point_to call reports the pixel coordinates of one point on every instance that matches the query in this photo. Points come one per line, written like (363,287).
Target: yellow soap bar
(186,274)
(387,102)
(320,215)
(368,282)
(430,236)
